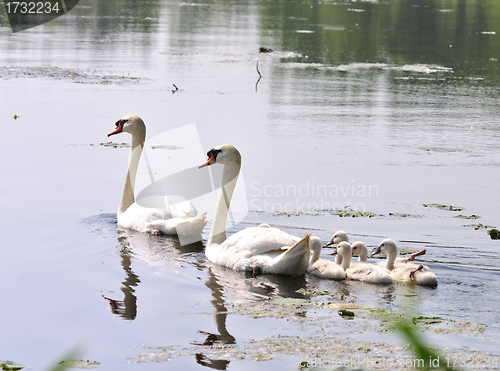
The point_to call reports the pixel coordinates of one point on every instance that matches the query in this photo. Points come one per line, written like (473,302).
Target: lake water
(378,107)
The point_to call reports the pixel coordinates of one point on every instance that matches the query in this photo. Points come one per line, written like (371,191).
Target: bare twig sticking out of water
(260,76)
(175,90)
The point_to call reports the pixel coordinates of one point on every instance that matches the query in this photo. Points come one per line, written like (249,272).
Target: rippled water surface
(385,108)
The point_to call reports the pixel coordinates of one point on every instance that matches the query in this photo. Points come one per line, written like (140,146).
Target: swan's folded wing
(183,209)
(139,218)
(261,240)
(181,226)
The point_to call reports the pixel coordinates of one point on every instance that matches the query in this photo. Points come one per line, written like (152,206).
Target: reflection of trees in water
(156,250)
(457,34)
(112,17)
(448,33)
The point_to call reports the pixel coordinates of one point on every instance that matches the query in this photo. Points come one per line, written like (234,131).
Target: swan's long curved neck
(391,258)
(363,257)
(133,162)
(226,190)
(315,246)
(346,261)
(338,259)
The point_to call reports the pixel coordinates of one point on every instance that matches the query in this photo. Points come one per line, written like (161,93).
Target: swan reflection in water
(227,285)
(157,250)
(126,308)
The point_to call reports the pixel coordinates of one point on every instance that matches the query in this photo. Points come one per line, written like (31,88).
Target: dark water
(372,106)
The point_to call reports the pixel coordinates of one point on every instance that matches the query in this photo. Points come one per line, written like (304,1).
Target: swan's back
(323,268)
(139,218)
(326,269)
(270,249)
(369,273)
(178,219)
(422,275)
(259,240)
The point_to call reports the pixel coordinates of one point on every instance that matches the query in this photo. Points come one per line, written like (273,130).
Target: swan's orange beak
(210,161)
(117,130)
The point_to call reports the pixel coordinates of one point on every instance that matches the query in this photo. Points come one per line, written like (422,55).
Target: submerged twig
(175,90)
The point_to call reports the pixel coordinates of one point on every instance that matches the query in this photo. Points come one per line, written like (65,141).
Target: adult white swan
(328,269)
(262,249)
(175,219)
(403,270)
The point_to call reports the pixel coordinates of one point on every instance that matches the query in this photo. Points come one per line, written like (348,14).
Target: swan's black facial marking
(213,153)
(119,127)
(212,157)
(121,123)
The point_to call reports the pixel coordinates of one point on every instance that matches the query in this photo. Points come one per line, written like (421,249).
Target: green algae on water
(115,145)
(79,364)
(445,207)
(9,365)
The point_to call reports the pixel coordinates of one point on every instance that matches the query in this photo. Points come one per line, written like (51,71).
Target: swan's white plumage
(270,249)
(328,269)
(176,219)
(267,249)
(337,238)
(364,271)
(403,270)
(360,270)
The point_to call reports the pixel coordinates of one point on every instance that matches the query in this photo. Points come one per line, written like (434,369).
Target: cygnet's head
(359,249)
(386,246)
(223,154)
(129,124)
(344,249)
(338,237)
